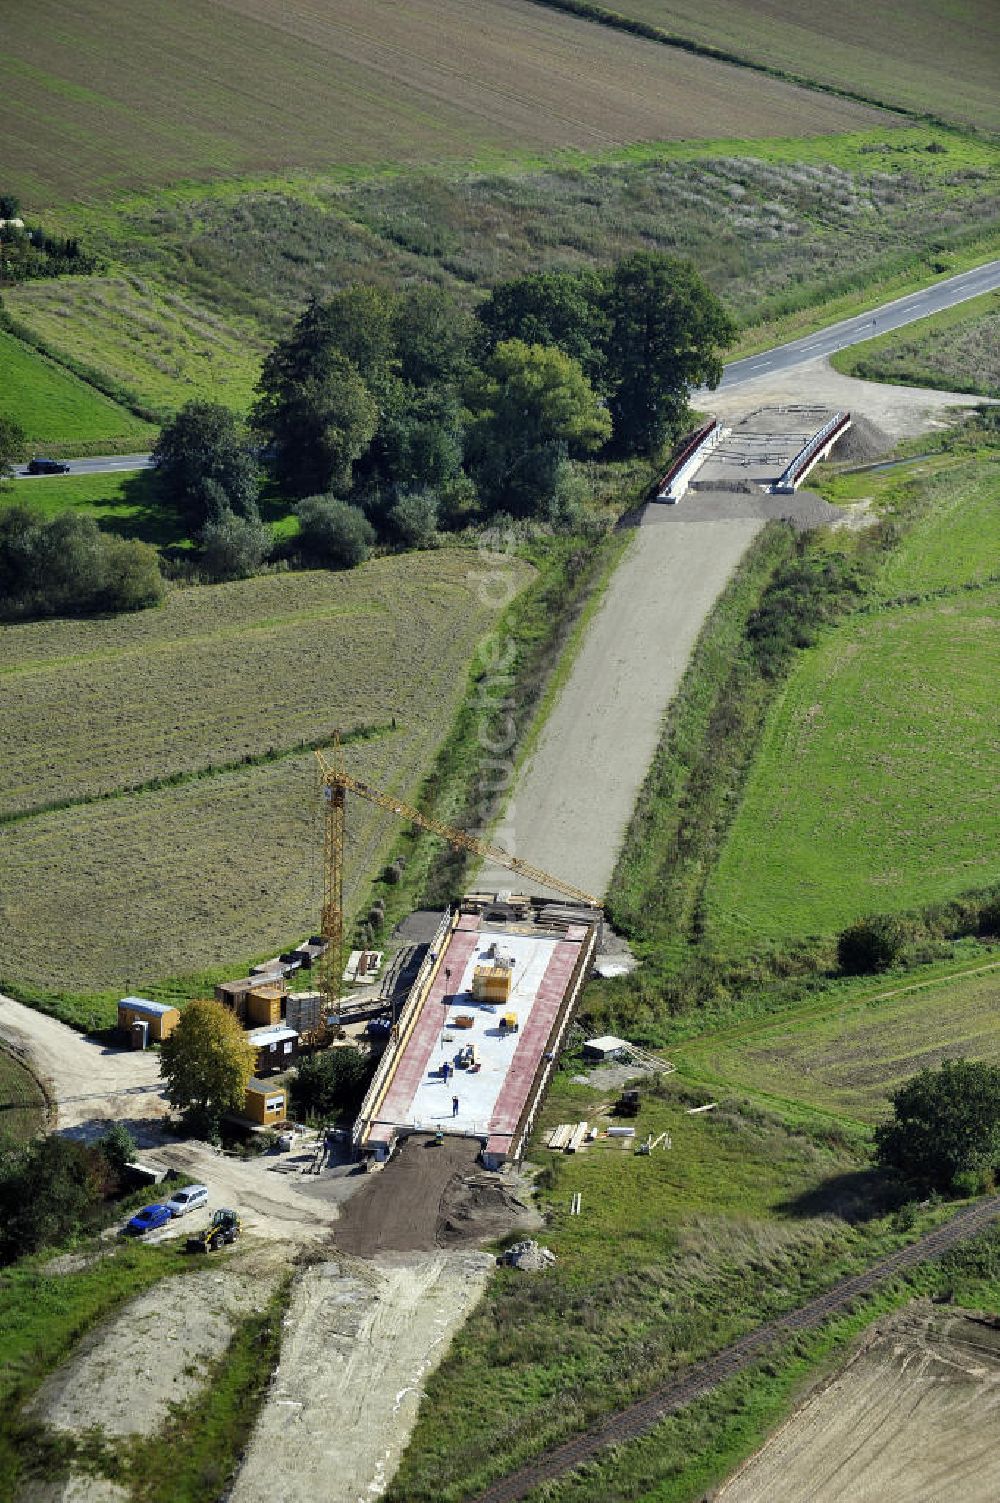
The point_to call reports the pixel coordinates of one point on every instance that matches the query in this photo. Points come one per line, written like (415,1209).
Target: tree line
(389,415)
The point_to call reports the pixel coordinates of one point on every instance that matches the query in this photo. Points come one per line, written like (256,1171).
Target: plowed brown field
(912,1417)
(926,55)
(97,96)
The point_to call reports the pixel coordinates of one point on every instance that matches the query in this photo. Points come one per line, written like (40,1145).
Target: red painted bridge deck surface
(532,1039)
(538,1005)
(412,1067)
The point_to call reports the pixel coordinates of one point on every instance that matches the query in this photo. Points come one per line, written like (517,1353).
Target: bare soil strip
(639,1418)
(156,1351)
(360,1340)
(399,1209)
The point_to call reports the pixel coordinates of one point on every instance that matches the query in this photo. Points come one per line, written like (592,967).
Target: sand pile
(863,442)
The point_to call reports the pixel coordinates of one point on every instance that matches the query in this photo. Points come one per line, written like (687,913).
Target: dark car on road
(47,467)
(149,1219)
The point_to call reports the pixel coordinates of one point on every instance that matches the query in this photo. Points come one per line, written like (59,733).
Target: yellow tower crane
(336,784)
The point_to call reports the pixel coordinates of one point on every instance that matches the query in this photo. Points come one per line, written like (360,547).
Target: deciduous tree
(204,464)
(666,337)
(532,405)
(319,418)
(945,1126)
(433,335)
(564,309)
(13,441)
(206,1063)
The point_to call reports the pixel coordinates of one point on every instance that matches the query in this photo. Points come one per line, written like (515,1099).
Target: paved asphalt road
(102,466)
(904,310)
(890,316)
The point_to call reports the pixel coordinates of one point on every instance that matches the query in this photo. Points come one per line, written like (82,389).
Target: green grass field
(957,540)
(874,788)
(126,503)
(958,350)
(122,503)
(55,407)
(22,1103)
(846,1056)
(930,56)
(97,98)
(223,687)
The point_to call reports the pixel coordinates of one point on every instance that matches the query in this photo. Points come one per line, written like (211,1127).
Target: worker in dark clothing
(454,1106)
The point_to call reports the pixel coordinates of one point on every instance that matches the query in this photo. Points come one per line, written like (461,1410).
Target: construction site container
(233,994)
(607,1047)
(491,983)
(160,1019)
(277,1047)
(264,1104)
(264,1005)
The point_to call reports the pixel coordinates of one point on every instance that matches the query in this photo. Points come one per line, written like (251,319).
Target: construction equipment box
(265,1104)
(160,1020)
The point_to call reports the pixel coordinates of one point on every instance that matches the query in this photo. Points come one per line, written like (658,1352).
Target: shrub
(802,596)
(51,1190)
(67,566)
(132,575)
(871,945)
(118,1147)
(333,533)
(234,547)
(414,519)
(331,1083)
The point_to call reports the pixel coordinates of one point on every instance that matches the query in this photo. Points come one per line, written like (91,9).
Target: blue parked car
(149,1219)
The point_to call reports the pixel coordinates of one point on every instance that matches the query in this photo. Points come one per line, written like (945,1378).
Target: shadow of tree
(858,1196)
(140,513)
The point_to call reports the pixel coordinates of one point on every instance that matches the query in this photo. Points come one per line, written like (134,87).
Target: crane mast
(336,784)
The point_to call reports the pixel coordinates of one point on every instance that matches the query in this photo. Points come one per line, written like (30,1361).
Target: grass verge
(689,1454)
(957,350)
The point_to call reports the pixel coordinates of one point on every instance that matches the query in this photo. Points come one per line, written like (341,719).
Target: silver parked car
(191,1198)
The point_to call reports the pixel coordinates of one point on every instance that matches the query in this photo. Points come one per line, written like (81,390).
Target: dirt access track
(913,1416)
(360,1339)
(575,795)
(900,411)
(88,1084)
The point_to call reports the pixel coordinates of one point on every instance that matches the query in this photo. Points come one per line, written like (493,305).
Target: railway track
(637,1419)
